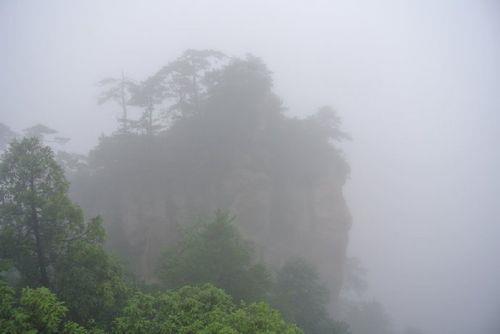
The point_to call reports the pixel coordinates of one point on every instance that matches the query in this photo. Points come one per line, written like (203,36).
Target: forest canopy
(206,132)
(205,181)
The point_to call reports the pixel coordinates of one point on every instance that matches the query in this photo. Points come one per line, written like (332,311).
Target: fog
(416,83)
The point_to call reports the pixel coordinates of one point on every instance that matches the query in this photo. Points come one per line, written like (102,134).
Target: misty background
(417,84)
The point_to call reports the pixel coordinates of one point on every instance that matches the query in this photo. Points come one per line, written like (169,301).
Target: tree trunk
(195,93)
(149,117)
(124,104)
(42,266)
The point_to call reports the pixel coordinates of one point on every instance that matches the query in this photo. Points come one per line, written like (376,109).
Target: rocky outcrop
(281,177)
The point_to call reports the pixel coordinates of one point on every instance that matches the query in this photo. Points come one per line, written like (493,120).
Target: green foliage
(36,217)
(44,311)
(260,318)
(43,236)
(204,309)
(5,266)
(91,283)
(44,239)
(38,222)
(303,299)
(214,252)
(36,311)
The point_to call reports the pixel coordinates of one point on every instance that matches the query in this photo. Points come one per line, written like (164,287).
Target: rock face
(293,220)
(285,215)
(281,177)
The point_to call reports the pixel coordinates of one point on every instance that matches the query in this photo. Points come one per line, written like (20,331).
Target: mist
(416,84)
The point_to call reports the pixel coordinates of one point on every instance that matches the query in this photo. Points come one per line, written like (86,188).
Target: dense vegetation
(214,252)
(225,215)
(57,277)
(206,132)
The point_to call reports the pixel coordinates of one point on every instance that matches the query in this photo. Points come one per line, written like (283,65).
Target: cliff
(281,177)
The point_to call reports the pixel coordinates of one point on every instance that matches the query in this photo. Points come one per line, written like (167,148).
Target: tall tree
(45,134)
(6,135)
(118,90)
(186,79)
(39,131)
(303,299)
(91,283)
(176,90)
(215,253)
(146,95)
(37,219)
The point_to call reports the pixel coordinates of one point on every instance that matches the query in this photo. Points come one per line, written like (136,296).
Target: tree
(363,316)
(214,252)
(37,219)
(43,235)
(71,163)
(91,283)
(6,135)
(36,311)
(185,81)
(227,144)
(118,90)
(39,131)
(203,309)
(178,87)
(303,299)
(355,283)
